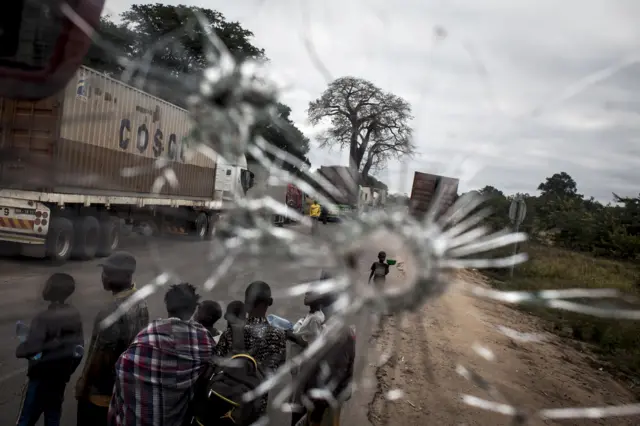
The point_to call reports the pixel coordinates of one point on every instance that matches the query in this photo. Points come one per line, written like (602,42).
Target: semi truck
(290,196)
(424,189)
(75,166)
(287,194)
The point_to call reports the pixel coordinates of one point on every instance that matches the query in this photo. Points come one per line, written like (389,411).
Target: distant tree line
(561,216)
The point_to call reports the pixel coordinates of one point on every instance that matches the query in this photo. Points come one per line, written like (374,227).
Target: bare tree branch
(372,123)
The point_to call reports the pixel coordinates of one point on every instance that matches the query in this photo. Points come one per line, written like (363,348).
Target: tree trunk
(353,147)
(353,188)
(362,148)
(367,168)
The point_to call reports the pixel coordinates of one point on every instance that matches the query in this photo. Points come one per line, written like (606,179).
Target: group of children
(56,334)
(303,332)
(52,341)
(301,335)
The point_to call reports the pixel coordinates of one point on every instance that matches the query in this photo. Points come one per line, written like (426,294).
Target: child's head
(235,311)
(208,313)
(382,256)
(257,298)
(313,300)
(181,301)
(58,288)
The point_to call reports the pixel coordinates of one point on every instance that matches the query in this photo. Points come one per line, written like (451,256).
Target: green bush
(562,217)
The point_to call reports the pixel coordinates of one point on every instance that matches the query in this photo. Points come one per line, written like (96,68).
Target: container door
(422,193)
(28,133)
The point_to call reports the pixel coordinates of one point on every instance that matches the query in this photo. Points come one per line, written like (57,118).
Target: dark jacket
(55,333)
(340,357)
(107,344)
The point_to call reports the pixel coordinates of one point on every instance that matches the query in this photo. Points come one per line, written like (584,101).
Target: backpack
(218,397)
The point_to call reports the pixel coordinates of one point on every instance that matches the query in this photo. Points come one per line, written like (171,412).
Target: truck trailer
(424,189)
(74,166)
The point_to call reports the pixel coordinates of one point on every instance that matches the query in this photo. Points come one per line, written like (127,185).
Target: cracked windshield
(319,213)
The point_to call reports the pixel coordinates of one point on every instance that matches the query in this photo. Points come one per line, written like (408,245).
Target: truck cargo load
(424,189)
(82,139)
(75,166)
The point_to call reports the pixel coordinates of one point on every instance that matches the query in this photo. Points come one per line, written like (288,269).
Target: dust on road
(431,343)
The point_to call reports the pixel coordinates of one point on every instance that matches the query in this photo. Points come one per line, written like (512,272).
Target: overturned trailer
(424,190)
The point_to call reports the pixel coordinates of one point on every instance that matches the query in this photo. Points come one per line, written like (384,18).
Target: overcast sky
(516,91)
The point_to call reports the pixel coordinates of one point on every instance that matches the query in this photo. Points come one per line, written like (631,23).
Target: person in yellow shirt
(314,213)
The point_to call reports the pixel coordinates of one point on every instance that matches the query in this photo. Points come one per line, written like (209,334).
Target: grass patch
(616,341)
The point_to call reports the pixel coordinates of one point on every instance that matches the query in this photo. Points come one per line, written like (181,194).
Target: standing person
(307,328)
(207,314)
(379,269)
(157,374)
(267,344)
(53,336)
(95,385)
(304,332)
(314,213)
(324,215)
(339,355)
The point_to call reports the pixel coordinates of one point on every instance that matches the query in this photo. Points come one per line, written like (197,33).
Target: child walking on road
(52,350)
(379,269)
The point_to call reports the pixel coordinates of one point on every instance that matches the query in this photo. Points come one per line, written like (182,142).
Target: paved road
(21,281)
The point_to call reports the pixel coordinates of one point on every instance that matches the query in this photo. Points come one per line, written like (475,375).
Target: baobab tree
(372,123)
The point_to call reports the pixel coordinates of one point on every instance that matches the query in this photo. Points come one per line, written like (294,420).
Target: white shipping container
(81,140)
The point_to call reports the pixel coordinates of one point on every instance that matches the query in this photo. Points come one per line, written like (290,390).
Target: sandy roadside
(431,343)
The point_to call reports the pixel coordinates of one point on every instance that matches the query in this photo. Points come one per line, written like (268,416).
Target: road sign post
(517,213)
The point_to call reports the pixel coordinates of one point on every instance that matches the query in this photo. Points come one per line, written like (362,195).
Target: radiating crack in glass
(226,101)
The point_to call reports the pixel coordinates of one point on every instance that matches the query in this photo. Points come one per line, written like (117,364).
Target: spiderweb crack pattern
(226,101)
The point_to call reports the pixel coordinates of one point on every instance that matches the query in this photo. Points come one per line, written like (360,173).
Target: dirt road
(431,344)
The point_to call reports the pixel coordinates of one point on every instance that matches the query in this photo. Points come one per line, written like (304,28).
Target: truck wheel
(60,240)
(211,225)
(200,226)
(109,237)
(87,230)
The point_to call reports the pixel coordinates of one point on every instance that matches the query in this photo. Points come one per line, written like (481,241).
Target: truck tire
(87,234)
(109,236)
(60,240)
(211,225)
(200,226)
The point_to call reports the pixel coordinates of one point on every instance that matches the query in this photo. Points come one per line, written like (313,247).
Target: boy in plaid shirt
(155,376)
